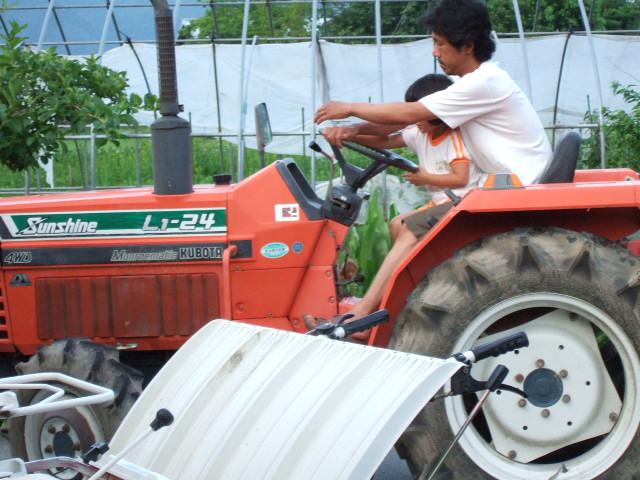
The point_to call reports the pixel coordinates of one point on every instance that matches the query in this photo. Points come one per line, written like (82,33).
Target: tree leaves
(621,131)
(357,19)
(41,91)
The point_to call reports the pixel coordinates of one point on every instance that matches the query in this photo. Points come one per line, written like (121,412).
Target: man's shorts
(421,222)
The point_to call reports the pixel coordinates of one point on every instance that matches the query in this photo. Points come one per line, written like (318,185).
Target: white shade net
(210,85)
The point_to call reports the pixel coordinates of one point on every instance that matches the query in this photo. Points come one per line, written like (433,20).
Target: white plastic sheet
(280,75)
(258,403)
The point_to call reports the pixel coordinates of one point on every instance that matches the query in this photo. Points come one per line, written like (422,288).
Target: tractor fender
(607,208)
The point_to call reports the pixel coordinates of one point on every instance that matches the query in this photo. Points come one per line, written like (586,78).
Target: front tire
(70,432)
(576,296)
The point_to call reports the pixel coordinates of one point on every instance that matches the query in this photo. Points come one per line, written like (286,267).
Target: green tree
(621,132)
(265,20)
(400,18)
(563,15)
(358,19)
(44,97)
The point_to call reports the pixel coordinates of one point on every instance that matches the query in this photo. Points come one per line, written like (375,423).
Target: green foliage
(265,20)
(367,245)
(621,132)
(40,92)
(118,165)
(357,19)
(563,15)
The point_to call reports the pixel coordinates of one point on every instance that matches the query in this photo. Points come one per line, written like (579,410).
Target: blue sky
(82,21)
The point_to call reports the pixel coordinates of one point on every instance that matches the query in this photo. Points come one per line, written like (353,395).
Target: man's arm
(392,113)
(335,135)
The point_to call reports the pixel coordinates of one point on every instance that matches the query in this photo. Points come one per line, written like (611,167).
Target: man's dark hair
(463,22)
(430,83)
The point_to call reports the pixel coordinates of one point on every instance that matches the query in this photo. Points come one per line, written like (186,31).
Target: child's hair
(430,83)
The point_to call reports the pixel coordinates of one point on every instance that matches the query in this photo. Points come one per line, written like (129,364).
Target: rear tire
(576,296)
(71,432)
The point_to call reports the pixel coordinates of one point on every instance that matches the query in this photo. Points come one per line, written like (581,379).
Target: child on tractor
(444,163)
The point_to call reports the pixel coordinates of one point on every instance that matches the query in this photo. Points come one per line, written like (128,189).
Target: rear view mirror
(263,129)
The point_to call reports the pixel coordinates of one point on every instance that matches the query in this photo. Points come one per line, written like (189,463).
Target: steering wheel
(384,156)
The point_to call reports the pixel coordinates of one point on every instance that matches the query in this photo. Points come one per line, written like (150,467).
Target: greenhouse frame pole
(176,9)
(314,73)
(45,24)
(379,49)
(380,87)
(525,58)
(105,28)
(243,104)
(587,28)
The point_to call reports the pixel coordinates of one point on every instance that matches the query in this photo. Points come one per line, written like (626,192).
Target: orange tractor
(103,285)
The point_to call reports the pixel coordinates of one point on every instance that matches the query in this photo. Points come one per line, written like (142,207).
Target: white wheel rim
(593,462)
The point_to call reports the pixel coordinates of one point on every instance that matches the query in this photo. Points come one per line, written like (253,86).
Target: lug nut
(48,449)
(522,402)
(77,446)
(613,416)
(51,429)
(540,363)
(545,413)
(519,378)
(512,454)
(566,398)
(563,373)
(66,428)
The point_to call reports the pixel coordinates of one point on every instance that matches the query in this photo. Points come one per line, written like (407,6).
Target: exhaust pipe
(170,134)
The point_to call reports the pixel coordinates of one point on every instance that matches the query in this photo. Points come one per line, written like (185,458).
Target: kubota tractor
(95,283)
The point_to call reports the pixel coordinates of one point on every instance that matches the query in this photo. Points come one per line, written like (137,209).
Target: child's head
(426,85)
(433,82)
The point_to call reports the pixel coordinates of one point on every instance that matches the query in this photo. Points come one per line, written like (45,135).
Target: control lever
(462,382)
(495,381)
(163,418)
(341,329)
(359,278)
(493,349)
(316,148)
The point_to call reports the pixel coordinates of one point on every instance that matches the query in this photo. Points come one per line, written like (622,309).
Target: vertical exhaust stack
(170,134)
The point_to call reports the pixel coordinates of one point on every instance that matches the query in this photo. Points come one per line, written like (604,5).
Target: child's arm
(458,178)
(386,142)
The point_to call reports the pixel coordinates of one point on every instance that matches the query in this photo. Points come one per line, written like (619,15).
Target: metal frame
(115,7)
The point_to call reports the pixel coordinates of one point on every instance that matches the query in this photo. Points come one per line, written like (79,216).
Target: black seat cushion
(562,167)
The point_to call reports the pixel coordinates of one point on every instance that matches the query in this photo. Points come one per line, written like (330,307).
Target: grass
(130,164)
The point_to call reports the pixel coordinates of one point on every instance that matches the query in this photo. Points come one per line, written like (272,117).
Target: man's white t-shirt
(438,155)
(499,126)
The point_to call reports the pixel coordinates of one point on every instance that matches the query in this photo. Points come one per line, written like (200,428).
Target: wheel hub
(571,399)
(63,445)
(61,433)
(543,387)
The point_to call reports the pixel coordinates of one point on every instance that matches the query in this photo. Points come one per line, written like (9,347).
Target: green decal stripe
(148,222)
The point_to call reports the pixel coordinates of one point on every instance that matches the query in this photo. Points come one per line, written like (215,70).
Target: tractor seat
(562,167)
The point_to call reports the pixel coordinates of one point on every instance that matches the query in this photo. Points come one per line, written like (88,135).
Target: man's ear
(469,48)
